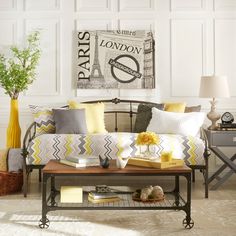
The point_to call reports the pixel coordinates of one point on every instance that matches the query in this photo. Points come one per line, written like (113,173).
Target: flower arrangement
(147,138)
(16,74)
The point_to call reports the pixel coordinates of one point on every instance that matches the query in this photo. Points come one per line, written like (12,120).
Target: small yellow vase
(13,129)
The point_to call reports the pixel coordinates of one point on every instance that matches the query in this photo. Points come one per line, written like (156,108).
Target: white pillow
(164,122)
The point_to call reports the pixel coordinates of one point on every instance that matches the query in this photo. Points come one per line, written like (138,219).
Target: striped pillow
(43,118)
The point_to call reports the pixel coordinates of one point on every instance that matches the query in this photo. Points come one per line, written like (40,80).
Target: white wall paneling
(8,37)
(190,5)
(225,5)
(42,5)
(136,5)
(93,24)
(225,50)
(187,56)
(193,37)
(139,24)
(49,66)
(8,5)
(92,5)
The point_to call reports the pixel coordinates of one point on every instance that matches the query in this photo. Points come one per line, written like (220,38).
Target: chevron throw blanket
(58,146)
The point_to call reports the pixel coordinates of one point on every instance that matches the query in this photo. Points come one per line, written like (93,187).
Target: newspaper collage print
(119,59)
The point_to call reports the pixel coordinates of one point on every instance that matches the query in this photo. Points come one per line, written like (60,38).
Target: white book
(84,159)
(78,165)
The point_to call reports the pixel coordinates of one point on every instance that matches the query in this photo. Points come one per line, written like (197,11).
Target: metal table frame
(216,140)
(228,163)
(49,203)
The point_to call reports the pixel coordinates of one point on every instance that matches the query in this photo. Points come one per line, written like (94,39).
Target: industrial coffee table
(173,200)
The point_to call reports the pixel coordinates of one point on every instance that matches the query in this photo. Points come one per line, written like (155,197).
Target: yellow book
(71,194)
(155,163)
(103,200)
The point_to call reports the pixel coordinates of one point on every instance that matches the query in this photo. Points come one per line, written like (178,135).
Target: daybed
(39,149)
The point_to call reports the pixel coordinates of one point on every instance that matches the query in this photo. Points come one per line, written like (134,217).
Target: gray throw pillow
(70,121)
(193,109)
(144,115)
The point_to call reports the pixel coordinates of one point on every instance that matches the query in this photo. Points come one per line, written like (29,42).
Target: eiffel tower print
(96,69)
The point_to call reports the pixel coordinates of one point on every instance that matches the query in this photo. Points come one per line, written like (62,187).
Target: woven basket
(10,182)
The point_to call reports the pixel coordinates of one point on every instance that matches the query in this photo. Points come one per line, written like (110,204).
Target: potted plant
(16,74)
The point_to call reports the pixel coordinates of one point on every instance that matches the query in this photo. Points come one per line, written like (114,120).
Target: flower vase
(146,151)
(13,129)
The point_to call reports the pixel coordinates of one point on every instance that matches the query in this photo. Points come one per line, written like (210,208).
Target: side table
(216,140)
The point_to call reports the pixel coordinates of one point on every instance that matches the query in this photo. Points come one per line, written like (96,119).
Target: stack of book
(231,126)
(81,161)
(96,197)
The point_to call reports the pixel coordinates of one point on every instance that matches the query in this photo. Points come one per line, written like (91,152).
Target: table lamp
(213,87)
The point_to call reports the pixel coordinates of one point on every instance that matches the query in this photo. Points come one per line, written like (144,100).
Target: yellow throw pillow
(175,107)
(94,115)
(3,159)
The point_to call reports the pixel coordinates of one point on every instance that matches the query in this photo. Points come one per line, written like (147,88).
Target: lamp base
(213,127)
(213,116)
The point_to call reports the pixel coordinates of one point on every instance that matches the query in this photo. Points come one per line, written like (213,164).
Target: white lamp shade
(214,87)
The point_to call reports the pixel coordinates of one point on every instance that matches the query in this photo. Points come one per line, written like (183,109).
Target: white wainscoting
(193,37)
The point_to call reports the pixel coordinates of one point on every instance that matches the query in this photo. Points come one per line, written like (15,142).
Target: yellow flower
(147,138)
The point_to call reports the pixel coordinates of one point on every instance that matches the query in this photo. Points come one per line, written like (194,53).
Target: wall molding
(221,19)
(55,7)
(57,68)
(133,5)
(224,5)
(59,19)
(175,7)
(203,51)
(88,8)
(11,7)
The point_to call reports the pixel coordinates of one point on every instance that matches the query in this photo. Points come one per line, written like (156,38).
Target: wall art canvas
(118,59)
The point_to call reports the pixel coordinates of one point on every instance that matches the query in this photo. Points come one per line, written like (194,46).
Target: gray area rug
(211,217)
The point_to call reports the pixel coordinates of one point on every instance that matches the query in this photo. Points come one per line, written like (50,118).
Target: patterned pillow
(44,119)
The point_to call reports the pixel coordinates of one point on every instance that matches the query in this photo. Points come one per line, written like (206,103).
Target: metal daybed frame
(131,110)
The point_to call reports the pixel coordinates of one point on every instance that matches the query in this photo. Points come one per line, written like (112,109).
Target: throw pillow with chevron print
(43,118)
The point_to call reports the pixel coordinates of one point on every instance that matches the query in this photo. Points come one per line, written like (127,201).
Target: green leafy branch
(18,72)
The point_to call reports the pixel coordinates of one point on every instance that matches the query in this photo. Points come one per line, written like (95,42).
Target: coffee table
(173,200)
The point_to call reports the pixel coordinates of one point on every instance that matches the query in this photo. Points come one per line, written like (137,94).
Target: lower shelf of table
(171,201)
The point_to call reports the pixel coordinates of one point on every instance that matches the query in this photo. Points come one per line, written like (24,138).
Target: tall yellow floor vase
(13,129)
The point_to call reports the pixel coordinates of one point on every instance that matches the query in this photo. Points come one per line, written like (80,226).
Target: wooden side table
(216,140)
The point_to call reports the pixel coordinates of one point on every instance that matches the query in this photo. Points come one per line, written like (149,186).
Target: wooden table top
(55,167)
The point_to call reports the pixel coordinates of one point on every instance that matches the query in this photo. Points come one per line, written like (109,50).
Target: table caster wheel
(188,225)
(44,225)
